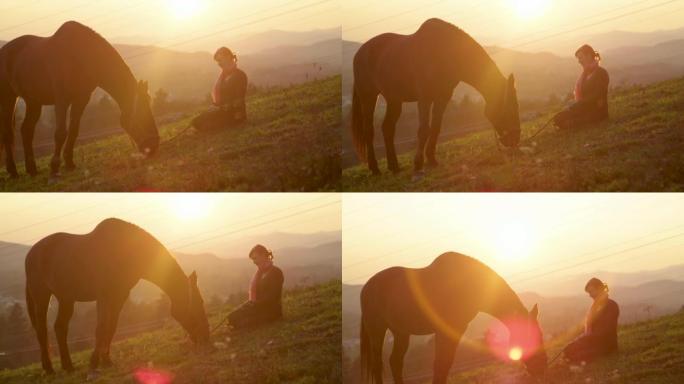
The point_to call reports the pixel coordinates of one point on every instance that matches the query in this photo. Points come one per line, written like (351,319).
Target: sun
(185,9)
(515,353)
(189,206)
(512,239)
(530,9)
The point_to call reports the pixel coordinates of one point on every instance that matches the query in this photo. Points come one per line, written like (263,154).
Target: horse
(103,266)
(441,299)
(425,67)
(63,70)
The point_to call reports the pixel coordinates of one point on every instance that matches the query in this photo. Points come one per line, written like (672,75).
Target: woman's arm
(593,91)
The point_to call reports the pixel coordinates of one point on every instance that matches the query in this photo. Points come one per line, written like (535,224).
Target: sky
(165,22)
(519,235)
(510,23)
(185,222)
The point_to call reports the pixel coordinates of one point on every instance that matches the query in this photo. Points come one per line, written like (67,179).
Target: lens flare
(152,376)
(515,353)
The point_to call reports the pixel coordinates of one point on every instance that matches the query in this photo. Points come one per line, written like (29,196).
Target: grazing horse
(63,70)
(103,266)
(426,67)
(441,299)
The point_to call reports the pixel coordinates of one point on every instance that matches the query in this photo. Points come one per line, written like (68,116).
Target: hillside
(290,143)
(650,352)
(303,348)
(639,149)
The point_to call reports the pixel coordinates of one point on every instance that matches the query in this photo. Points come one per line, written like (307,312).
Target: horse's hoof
(92,375)
(417,176)
(53,179)
(13,175)
(32,172)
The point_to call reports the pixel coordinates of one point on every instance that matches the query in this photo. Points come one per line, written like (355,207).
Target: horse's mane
(122,225)
(75,30)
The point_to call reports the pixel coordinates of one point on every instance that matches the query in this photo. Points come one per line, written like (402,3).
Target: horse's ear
(511,81)
(534,313)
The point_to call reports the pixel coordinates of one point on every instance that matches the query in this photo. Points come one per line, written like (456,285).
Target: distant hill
(302,348)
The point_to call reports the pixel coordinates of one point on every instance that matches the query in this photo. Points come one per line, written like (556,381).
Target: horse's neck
(506,304)
(166,274)
(119,82)
(481,73)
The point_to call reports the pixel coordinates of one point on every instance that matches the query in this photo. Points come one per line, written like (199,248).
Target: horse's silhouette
(103,266)
(63,70)
(440,299)
(426,67)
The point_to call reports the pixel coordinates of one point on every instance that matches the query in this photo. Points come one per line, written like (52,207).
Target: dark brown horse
(440,299)
(426,67)
(103,266)
(63,70)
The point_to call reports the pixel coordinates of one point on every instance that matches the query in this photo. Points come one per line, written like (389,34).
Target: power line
(82,5)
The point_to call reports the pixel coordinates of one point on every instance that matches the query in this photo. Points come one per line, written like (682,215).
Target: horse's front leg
(75,115)
(401,344)
(445,349)
(60,136)
(435,126)
(28,128)
(112,321)
(423,133)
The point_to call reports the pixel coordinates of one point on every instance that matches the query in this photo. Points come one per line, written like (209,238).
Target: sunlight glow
(515,353)
(512,240)
(185,9)
(189,206)
(530,9)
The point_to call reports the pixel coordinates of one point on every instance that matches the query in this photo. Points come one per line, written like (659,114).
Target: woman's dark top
(269,290)
(593,106)
(233,91)
(604,328)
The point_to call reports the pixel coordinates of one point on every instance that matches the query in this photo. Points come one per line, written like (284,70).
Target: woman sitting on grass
(265,291)
(600,327)
(591,93)
(228,95)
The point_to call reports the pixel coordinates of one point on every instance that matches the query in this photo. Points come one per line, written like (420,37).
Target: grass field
(640,149)
(650,352)
(303,348)
(290,143)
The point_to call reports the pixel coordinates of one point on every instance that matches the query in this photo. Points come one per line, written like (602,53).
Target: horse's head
(504,115)
(139,123)
(191,314)
(526,343)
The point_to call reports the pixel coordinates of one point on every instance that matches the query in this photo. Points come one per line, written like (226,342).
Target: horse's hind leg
(435,126)
(7,106)
(388,130)
(401,344)
(445,349)
(40,300)
(66,310)
(368,102)
(423,133)
(75,114)
(60,136)
(377,340)
(28,127)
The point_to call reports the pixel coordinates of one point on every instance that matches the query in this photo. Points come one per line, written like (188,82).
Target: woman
(228,95)
(265,290)
(591,92)
(600,326)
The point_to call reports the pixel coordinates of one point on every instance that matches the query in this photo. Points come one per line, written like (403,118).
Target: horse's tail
(357,128)
(370,358)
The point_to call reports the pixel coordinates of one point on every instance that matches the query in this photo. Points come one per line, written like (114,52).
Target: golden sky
(188,222)
(512,22)
(163,22)
(518,235)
